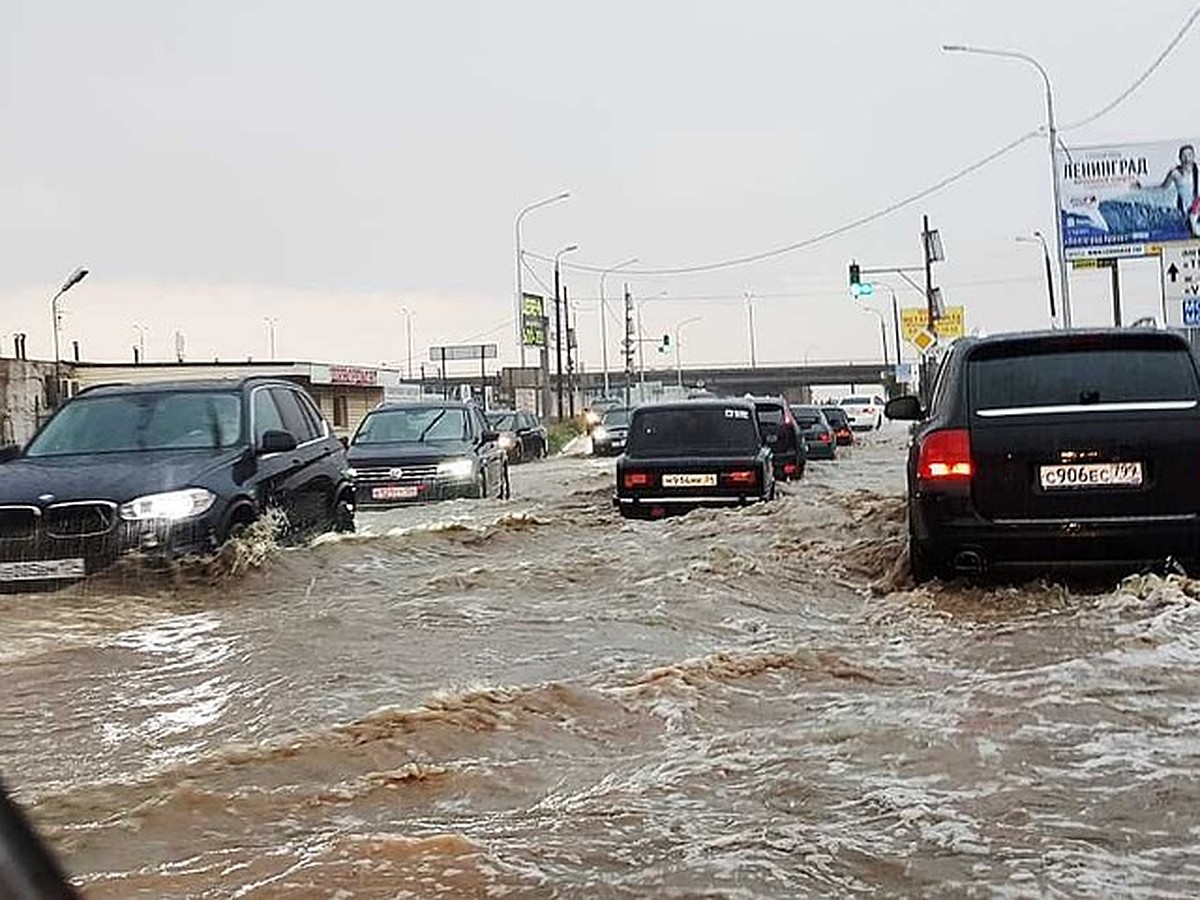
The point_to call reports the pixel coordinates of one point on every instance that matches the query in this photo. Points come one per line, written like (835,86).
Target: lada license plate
(394,492)
(42,569)
(691,479)
(1082,476)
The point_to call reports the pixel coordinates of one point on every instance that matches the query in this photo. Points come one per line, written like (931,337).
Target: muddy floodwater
(533,698)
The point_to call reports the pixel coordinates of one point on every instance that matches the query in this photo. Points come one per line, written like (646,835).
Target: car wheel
(923,567)
(343,515)
(242,519)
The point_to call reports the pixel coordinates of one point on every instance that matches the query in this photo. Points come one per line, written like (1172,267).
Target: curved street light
(604,317)
(408,316)
(1039,238)
(520,299)
(558,331)
(1052,132)
(678,363)
(73,279)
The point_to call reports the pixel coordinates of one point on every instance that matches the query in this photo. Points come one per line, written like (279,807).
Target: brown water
(536,699)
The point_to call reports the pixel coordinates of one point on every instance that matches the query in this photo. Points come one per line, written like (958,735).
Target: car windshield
(1082,376)
(807,416)
(702,431)
(134,422)
(420,424)
(617,418)
(503,421)
(835,416)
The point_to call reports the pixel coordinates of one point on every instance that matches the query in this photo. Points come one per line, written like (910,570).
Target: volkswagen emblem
(395,474)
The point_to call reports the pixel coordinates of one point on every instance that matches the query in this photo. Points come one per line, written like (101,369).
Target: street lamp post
(520,300)
(604,318)
(678,361)
(141,333)
(641,336)
(895,320)
(750,320)
(408,340)
(270,334)
(558,331)
(1039,238)
(882,332)
(1052,134)
(77,276)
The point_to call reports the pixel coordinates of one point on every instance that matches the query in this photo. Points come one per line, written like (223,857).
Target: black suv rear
(1056,450)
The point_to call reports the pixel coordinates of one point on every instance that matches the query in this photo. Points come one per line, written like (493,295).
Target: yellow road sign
(924,339)
(950,326)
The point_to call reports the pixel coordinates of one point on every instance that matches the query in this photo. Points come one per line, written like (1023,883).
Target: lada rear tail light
(741,477)
(637,479)
(945,456)
(824,437)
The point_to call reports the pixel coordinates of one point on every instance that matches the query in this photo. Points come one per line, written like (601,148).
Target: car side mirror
(904,409)
(345,441)
(277,442)
(490,437)
(9,452)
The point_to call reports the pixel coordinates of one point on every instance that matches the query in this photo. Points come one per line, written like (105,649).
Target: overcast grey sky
(324,164)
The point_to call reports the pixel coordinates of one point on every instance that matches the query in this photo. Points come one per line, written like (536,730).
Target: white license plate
(42,569)
(1081,476)
(707,479)
(394,492)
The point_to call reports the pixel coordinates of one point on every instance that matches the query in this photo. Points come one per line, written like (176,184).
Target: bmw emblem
(396,474)
(46,498)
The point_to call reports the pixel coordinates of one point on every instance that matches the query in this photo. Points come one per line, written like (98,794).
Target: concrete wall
(23,392)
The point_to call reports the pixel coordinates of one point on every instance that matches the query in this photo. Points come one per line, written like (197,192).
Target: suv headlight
(599,433)
(171,506)
(456,468)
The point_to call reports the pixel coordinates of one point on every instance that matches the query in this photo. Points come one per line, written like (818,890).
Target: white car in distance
(865,413)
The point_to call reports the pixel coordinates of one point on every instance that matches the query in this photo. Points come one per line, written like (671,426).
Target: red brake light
(945,456)
(789,468)
(824,437)
(637,479)
(742,476)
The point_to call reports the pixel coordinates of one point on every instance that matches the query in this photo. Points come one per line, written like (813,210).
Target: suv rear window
(1083,376)
(697,431)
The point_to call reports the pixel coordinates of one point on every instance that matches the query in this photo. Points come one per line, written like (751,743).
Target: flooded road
(536,699)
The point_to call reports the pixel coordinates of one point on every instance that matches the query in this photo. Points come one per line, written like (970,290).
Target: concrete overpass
(793,382)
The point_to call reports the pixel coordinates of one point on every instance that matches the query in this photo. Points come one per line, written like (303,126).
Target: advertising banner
(1127,200)
(533,320)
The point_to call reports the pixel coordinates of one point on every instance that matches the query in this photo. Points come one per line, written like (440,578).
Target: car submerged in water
(693,453)
(404,453)
(167,469)
(1056,450)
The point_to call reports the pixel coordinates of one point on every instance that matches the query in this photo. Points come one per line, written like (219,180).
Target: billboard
(1125,200)
(533,320)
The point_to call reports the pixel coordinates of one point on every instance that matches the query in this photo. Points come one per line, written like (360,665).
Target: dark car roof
(426,404)
(1118,335)
(705,403)
(182,384)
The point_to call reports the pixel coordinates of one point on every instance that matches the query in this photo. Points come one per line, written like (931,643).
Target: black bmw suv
(1056,450)
(169,469)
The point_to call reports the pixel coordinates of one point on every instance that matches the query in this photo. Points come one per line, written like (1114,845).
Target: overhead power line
(940,185)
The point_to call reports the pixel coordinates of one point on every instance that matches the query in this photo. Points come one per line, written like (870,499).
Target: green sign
(533,320)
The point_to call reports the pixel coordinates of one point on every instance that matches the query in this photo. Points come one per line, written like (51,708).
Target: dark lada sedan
(693,453)
(415,452)
(169,469)
(1056,450)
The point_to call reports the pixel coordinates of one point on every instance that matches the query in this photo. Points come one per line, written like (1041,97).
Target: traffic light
(855,276)
(666,342)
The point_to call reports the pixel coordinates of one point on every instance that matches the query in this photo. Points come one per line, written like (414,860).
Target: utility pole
(558,345)
(628,344)
(571,346)
(931,323)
